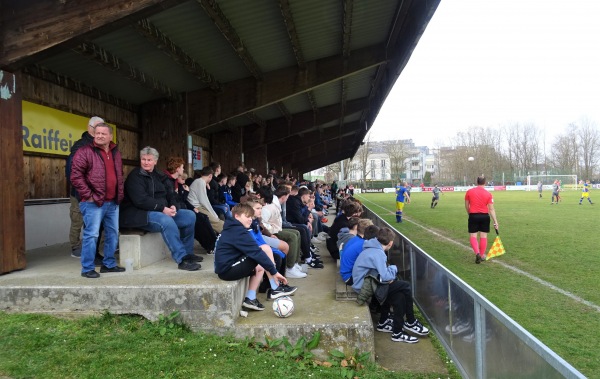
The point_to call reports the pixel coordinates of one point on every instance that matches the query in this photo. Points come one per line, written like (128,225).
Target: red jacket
(88,174)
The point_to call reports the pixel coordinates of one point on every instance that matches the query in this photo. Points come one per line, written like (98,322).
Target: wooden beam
(114,63)
(213,11)
(31,28)
(165,44)
(296,143)
(208,108)
(290,25)
(246,95)
(280,128)
(77,86)
(12,187)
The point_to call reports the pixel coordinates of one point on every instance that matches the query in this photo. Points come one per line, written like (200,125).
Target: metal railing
(482,340)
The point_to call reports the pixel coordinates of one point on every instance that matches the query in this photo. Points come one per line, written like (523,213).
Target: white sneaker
(315,240)
(300,268)
(322,236)
(294,273)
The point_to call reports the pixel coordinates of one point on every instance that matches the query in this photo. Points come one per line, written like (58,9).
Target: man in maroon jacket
(97,175)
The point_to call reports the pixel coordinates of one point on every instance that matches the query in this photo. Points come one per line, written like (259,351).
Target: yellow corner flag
(497,248)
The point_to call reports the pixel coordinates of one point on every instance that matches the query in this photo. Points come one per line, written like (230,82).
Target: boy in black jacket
(237,255)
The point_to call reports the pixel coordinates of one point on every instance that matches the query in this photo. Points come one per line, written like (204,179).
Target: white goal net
(567,182)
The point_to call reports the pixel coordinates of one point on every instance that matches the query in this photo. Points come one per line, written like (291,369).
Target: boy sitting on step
(237,256)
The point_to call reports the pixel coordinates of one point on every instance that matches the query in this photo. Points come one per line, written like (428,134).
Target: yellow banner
(48,130)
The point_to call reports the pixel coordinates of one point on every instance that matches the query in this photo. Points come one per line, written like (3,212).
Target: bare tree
(361,158)
(523,148)
(398,151)
(564,151)
(589,146)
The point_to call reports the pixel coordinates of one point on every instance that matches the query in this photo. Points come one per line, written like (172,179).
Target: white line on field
(504,264)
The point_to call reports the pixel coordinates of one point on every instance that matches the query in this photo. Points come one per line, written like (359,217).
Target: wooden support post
(12,217)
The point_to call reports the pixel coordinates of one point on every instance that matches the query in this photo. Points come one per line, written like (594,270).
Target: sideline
(504,264)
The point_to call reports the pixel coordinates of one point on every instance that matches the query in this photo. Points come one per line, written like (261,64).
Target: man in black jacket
(297,214)
(152,204)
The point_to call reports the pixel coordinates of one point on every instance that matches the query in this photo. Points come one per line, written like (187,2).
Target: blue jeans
(222,209)
(93,217)
(177,232)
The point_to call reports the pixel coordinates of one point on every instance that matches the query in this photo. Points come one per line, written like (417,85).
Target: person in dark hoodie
(349,210)
(152,204)
(373,262)
(237,256)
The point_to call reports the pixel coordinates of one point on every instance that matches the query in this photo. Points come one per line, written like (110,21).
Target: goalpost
(568,182)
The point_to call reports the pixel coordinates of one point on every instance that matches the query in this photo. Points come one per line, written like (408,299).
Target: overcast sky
(495,62)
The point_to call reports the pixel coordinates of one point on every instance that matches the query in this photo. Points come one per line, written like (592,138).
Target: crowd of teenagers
(260,227)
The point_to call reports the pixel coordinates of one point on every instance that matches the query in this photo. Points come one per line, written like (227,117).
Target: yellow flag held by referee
(497,248)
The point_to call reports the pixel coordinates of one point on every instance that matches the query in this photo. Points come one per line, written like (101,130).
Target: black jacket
(234,243)
(294,213)
(86,139)
(146,192)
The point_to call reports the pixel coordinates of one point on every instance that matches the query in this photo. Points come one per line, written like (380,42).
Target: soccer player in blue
(401,196)
(585,192)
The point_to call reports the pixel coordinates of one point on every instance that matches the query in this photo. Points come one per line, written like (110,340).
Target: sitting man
(152,204)
(373,261)
(237,255)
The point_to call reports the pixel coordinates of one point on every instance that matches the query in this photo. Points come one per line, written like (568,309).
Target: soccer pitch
(548,280)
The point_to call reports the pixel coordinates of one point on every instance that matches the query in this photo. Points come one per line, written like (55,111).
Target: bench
(144,248)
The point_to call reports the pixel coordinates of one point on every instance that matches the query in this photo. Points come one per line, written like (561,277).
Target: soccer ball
(283,306)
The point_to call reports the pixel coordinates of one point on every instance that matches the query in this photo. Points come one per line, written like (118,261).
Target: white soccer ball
(283,306)
(471,159)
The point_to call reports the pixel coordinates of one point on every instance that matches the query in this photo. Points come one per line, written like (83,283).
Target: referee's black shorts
(479,222)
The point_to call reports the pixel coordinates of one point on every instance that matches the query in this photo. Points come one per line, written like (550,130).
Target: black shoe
(193,258)
(90,274)
(104,269)
(280,291)
(253,304)
(189,266)
(477,258)
(315,264)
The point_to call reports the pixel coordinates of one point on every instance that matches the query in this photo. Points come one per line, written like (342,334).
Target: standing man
(479,204)
(585,192)
(540,188)
(97,175)
(555,189)
(87,138)
(402,196)
(436,196)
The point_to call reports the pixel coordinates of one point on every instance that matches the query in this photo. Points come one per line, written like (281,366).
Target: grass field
(558,244)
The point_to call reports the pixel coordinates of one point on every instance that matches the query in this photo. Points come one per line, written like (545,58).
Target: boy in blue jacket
(237,255)
(373,260)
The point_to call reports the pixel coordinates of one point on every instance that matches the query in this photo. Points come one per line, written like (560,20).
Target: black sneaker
(290,289)
(280,291)
(90,274)
(104,269)
(415,328)
(403,337)
(387,326)
(477,258)
(189,266)
(253,304)
(315,264)
(193,258)
(76,253)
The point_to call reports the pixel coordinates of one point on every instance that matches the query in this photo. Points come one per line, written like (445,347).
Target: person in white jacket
(272,222)
(198,198)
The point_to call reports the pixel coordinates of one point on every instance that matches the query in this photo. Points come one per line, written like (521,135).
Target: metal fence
(482,341)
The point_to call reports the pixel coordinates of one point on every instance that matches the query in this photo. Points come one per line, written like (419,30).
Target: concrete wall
(46,225)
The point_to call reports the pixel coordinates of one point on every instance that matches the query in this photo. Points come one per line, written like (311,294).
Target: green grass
(41,346)
(556,243)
